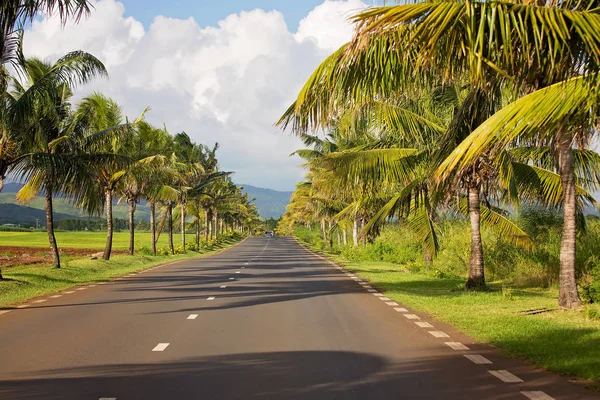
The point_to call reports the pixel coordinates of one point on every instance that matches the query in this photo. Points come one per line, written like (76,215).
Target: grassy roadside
(25,282)
(563,342)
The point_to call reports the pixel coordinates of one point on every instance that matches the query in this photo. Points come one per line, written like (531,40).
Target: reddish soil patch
(11,255)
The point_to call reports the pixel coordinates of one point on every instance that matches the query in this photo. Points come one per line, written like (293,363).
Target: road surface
(266,319)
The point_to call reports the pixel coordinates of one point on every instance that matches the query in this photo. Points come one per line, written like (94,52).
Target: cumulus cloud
(227,83)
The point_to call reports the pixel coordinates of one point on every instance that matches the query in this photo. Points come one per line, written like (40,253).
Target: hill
(13,212)
(270,203)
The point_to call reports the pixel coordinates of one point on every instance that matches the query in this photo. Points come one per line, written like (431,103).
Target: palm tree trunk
(170,216)
(109,224)
(345,237)
(362,227)
(476,278)
(216,219)
(330,234)
(1,183)
(323,231)
(153,226)
(427,257)
(197,232)
(355,232)
(131,226)
(50,228)
(206,223)
(209,223)
(182,225)
(568,295)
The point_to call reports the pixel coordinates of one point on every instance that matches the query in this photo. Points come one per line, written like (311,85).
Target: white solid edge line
(438,334)
(537,395)
(456,346)
(477,359)
(161,347)
(211,298)
(506,376)
(192,316)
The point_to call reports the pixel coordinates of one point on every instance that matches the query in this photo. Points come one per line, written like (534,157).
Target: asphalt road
(264,320)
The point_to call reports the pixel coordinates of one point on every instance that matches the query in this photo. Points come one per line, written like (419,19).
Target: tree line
(454,108)
(91,154)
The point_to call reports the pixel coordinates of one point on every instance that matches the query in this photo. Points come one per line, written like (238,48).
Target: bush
(164,251)
(145,251)
(179,249)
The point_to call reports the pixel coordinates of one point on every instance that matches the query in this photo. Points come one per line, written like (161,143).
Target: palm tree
(489,44)
(50,163)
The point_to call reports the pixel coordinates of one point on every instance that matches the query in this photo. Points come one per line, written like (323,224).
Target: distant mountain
(270,203)
(14,212)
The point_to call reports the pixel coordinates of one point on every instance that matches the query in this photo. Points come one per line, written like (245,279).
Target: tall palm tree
(489,44)
(51,162)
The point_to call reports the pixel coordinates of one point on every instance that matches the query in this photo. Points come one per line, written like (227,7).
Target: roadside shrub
(145,251)
(191,246)
(179,249)
(163,251)
(592,313)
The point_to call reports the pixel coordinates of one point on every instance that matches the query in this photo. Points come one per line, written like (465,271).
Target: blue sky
(209,12)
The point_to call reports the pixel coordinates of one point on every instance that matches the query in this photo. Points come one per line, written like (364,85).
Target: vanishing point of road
(266,319)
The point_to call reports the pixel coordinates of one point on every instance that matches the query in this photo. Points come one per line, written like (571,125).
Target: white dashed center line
(23,306)
(537,395)
(192,316)
(424,324)
(411,316)
(456,346)
(107,398)
(211,298)
(237,272)
(506,376)
(438,334)
(71,292)
(400,309)
(372,291)
(161,347)
(478,359)
(5,312)
(56,296)
(385,299)
(378,295)
(223,286)
(81,288)
(40,301)
(231,279)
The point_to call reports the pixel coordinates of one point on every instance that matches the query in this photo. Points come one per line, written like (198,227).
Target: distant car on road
(269,234)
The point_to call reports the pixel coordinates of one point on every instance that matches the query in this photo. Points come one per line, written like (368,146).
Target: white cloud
(227,83)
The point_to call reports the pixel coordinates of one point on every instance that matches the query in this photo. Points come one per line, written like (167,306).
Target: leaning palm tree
(490,44)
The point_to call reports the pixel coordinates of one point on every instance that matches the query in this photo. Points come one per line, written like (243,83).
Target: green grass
(560,341)
(23,282)
(83,240)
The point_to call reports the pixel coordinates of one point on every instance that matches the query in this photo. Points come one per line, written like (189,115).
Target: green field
(84,240)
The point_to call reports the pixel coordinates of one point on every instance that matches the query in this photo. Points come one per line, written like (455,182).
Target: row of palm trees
(91,154)
(449,106)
